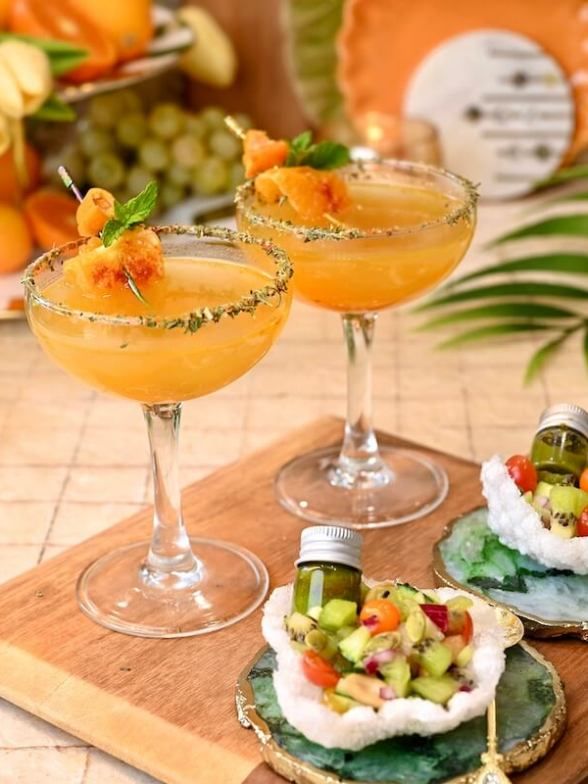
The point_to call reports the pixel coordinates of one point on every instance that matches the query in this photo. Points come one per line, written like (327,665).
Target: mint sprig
(132,213)
(324,155)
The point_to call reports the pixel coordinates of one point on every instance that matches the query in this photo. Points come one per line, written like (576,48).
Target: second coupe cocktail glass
(217,311)
(407,228)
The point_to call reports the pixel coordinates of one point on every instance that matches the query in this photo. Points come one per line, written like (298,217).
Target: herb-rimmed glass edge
(466,210)
(191,321)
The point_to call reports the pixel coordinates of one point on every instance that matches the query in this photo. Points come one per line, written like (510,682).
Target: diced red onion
(387,693)
(371,621)
(438,613)
(465,687)
(375,660)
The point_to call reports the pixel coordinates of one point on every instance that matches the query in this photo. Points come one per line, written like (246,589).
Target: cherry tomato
(380,616)
(468,628)
(584,480)
(318,670)
(460,622)
(582,527)
(522,472)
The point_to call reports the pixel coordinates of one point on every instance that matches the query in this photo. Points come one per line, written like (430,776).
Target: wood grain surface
(167,706)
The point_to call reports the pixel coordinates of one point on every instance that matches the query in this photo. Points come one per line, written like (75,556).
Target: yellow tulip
(25,78)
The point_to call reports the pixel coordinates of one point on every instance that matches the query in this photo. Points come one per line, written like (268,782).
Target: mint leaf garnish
(327,155)
(324,155)
(132,213)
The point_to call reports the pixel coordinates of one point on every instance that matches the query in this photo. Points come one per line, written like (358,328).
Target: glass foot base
(315,488)
(228,584)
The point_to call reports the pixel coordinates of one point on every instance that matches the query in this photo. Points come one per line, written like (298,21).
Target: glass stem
(360,447)
(170,553)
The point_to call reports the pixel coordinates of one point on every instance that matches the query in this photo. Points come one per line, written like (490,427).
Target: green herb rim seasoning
(560,445)
(329,567)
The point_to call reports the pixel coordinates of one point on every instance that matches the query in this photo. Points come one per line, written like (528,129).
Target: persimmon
(261,153)
(310,192)
(94,210)
(16,242)
(66,21)
(52,217)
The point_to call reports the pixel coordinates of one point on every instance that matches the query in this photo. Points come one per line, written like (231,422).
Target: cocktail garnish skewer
(234,126)
(67,180)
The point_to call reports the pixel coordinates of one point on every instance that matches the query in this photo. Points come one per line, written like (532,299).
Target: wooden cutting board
(167,706)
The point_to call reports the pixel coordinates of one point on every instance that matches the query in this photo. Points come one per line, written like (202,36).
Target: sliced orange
(65,21)
(52,217)
(310,192)
(16,242)
(10,189)
(4,11)
(128,24)
(261,153)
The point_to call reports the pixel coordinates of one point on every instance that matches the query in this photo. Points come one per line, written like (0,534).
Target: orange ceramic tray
(382,42)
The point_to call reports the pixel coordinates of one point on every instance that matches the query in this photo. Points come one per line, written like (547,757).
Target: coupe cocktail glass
(407,228)
(217,311)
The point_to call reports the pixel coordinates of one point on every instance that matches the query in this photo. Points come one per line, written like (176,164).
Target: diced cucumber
(397,675)
(435,657)
(416,625)
(337,702)
(337,613)
(439,690)
(353,647)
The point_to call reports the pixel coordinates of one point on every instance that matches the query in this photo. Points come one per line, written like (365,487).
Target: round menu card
(503,108)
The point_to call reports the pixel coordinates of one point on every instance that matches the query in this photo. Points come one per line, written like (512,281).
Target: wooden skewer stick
(234,126)
(67,180)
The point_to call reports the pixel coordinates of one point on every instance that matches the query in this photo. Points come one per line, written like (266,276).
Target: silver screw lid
(330,543)
(566,414)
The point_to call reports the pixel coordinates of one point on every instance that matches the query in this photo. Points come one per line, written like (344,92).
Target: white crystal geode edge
(518,525)
(300,700)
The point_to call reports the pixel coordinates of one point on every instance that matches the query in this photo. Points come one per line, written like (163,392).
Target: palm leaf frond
(518,310)
(493,330)
(558,226)
(568,263)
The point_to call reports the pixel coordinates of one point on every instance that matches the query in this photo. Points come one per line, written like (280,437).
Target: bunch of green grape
(121,145)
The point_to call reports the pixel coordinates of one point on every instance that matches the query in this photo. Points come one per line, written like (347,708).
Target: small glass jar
(560,445)
(329,567)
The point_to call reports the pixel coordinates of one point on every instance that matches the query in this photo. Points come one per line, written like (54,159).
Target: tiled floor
(73,462)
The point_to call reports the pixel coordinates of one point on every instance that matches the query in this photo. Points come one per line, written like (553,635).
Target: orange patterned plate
(382,43)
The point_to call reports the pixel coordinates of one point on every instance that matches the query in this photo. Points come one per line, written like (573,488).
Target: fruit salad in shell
(546,521)
(404,662)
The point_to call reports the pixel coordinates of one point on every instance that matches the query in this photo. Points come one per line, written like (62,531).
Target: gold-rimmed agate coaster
(550,602)
(530,703)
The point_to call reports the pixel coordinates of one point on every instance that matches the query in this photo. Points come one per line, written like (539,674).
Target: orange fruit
(4,12)
(312,193)
(16,242)
(9,185)
(93,211)
(261,153)
(52,217)
(127,24)
(64,21)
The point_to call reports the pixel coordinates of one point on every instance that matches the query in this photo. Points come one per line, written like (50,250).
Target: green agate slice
(526,698)
(473,556)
